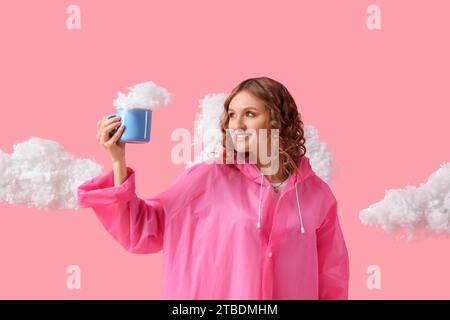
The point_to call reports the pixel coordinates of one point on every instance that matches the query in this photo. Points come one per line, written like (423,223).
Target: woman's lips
(242,136)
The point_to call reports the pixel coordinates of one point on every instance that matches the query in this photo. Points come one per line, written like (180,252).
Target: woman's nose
(239,124)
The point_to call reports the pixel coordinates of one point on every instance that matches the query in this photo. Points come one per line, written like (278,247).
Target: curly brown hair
(284,116)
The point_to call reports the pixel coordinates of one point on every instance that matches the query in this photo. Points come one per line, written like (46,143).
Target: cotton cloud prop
(39,173)
(207,132)
(414,211)
(146,95)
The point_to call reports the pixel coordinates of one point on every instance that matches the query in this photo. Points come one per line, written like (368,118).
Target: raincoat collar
(252,172)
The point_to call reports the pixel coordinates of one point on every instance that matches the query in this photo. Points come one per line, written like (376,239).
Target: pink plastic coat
(226,235)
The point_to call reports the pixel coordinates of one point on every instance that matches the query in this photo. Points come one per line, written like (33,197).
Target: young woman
(228,230)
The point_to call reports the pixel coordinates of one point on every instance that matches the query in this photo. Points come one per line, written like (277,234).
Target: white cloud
(321,158)
(39,173)
(414,211)
(146,95)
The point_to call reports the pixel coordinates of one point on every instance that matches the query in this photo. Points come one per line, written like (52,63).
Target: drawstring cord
(302,229)
(258,225)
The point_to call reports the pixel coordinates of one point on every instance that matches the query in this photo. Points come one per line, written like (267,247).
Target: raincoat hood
(252,172)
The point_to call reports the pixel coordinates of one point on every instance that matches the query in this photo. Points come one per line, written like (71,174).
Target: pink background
(379,99)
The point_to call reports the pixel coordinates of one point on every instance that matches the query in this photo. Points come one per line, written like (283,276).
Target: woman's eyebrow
(248,108)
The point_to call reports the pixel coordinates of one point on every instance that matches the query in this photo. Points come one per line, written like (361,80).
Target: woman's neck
(280,176)
(276,178)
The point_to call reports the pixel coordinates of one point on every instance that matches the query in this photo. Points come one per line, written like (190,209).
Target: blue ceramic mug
(138,124)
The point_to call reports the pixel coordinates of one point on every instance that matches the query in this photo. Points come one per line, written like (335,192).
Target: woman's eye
(249,113)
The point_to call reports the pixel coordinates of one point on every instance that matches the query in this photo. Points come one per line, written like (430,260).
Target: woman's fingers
(114,138)
(99,123)
(106,130)
(102,123)
(107,122)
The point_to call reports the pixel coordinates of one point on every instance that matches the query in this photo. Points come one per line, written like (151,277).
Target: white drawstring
(302,229)
(258,225)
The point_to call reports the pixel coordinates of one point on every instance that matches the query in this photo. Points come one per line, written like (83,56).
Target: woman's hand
(115,148)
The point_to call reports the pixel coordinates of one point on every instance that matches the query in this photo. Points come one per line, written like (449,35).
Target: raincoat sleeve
(333,258)
(136,224)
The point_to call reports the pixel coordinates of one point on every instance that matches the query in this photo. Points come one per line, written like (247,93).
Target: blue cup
(138,124)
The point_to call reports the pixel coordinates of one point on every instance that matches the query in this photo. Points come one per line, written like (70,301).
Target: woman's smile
(241,136)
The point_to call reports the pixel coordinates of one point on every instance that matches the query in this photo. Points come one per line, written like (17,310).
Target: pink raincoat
(226,235)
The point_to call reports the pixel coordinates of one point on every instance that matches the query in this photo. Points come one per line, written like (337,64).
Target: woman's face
(247,115)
